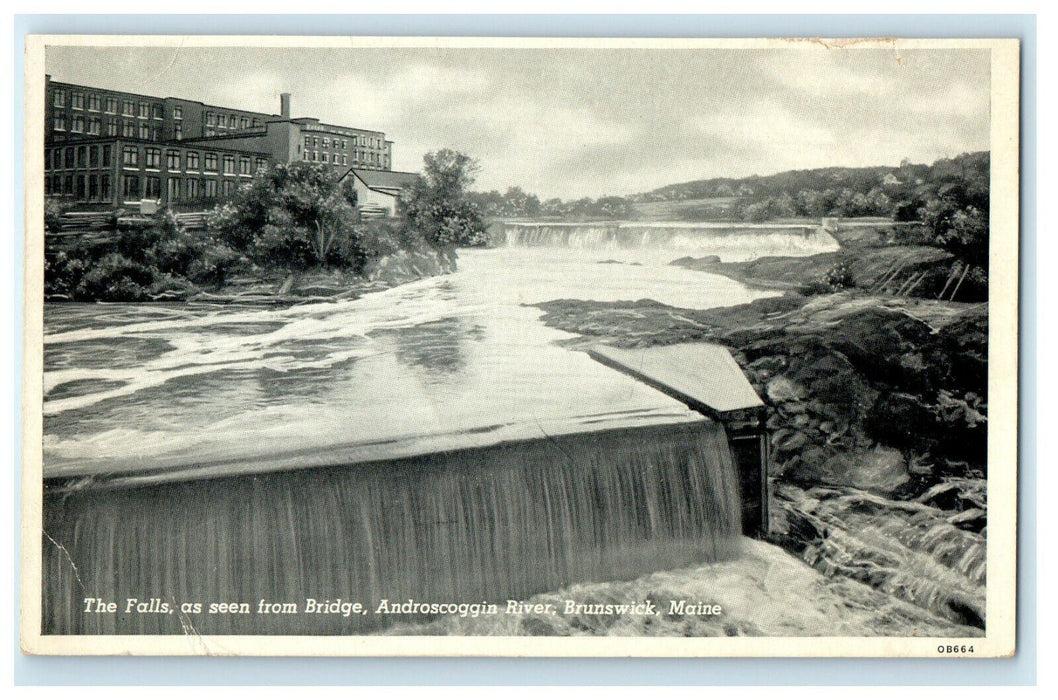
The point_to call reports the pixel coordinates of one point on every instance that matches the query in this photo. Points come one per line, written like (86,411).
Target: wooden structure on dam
(707,379)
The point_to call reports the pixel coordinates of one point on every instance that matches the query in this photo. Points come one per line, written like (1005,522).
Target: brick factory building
(106,149)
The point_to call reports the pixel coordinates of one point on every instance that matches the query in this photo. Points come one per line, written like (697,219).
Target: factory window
(67,184)
(77,100)
(130,156)
(172,189)
(145,131)
(152,157)
(130,187)
(233,121)
(343,143)
(47,186)
(244,123)
(156,111)
(192,190)
(326,142)
(94,103)
(106,156)
(211,120)
(104,188)
(315,142)
(229,188)
(128,109)
(56,184)
(59,98)
(172,160)
(82,157)
(93,156)
(256,123)
(77,124)
(211,189)
(145,110)
(211,162)
(67,157)
(261,163)
(178,112)
(244,166)
(128,130)
(308,141)
(153,188)
(344,162)
(334,159)
(229,164)
(81,187)
(112,105)
(305,155)
(93,186)
(95,126)
(178,131)
(112,127)
(59,124)
(192,160)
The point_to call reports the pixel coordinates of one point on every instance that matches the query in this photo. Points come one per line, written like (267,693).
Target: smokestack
(284,105)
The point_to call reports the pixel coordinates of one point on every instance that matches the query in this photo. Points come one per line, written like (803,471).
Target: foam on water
(421,366)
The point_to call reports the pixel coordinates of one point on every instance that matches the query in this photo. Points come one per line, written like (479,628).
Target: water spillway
(473,525)
(718,238)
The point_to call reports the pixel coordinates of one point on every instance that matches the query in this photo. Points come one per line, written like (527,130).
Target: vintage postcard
(520,347)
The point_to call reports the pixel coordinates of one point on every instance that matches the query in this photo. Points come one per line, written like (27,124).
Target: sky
(576,122)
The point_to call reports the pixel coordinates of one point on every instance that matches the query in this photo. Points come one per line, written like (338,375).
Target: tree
(294,216)
(437,205)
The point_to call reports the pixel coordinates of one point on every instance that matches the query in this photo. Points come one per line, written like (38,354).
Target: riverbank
(877,410)
(279,289)
(78,275)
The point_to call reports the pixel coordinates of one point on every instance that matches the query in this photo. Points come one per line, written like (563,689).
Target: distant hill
(790,181)
(890,191)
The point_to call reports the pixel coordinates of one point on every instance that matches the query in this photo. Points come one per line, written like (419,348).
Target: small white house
(377,190)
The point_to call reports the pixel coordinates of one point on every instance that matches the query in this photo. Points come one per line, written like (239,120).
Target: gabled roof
(385,181)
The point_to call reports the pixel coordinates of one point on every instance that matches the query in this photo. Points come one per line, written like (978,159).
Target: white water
(446,362)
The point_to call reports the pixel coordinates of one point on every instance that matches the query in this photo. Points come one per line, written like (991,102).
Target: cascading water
(432,441)
(473,525)
(723,239)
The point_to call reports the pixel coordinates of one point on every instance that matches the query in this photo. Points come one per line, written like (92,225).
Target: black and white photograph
(345,346)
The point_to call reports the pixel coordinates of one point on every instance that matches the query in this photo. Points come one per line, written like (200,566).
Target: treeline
(515,202)
(291,218)
(890,192)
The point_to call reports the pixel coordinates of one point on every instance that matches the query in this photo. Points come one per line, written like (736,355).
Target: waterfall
(481,524)
(689,237)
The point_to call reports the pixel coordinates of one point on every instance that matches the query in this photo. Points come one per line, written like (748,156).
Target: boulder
(881,470)
(781,390)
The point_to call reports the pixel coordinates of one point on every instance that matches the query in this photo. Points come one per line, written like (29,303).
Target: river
(448,361)
(165,394)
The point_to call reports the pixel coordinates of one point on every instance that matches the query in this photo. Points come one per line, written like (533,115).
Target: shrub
(116,278)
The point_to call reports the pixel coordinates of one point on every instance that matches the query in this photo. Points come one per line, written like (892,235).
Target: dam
(434,441)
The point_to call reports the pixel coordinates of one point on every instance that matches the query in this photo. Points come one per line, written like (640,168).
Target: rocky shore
(877,407)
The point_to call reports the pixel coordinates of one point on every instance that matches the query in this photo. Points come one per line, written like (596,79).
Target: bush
(116,278)
(839,277)
(294,217)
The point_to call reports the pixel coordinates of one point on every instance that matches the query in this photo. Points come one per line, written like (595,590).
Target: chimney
(284,105)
